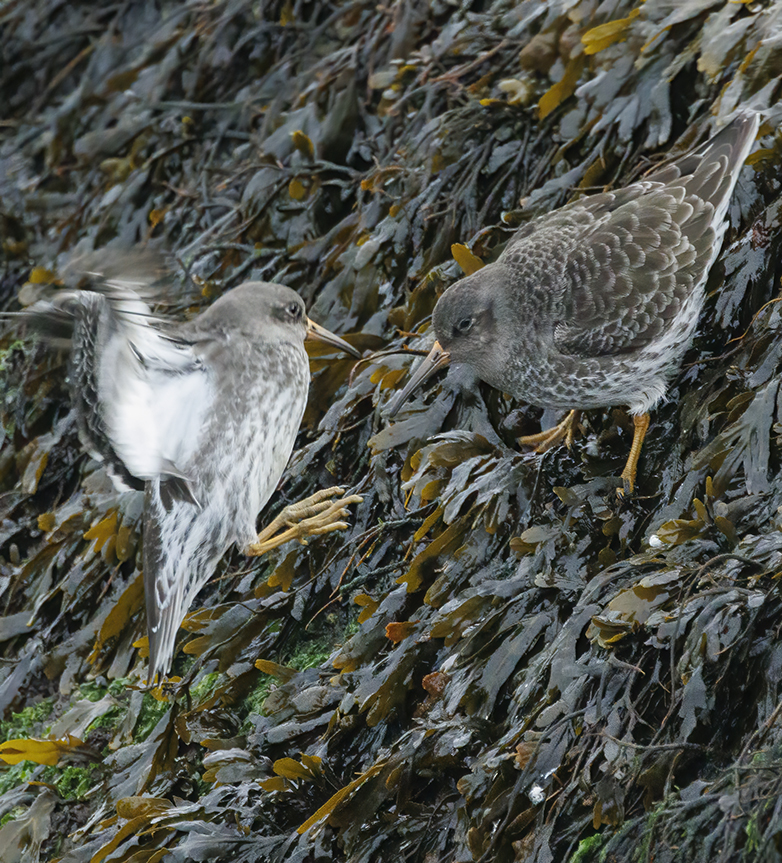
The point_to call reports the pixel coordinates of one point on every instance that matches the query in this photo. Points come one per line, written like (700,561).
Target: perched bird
(200,415)
(595,303)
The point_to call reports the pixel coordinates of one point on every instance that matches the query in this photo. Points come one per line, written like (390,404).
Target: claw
(549,438)
(313,516)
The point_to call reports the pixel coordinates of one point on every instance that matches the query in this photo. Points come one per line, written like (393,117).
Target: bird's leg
(551,437)
(641,424)
(312,516)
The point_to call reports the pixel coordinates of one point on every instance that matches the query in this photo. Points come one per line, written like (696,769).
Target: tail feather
(181,551)
(163,594)
(711,170)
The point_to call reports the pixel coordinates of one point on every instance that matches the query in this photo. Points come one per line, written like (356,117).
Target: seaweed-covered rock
(499,660)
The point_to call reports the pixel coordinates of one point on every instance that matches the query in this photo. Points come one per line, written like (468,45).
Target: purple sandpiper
(202,416)
(595,304)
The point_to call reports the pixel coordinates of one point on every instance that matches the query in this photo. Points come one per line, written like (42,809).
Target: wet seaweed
(498,660)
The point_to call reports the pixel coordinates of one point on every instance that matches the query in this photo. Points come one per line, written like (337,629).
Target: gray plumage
(595,303)
(202,415)
(252,373)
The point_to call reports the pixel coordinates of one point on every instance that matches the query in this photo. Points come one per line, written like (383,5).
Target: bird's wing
(77,320)
(642,251)
(633,270)
(140,391)
(153,391)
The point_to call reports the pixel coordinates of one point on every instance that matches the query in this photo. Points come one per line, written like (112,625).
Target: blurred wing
(140,392)
(75,320)
(154,393)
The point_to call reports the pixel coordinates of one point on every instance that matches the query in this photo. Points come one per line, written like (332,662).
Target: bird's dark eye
(463,326)
(294,311)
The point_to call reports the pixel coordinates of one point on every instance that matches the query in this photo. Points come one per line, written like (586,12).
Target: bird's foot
(549,438)
(628,482)
(312,516)
(640,424)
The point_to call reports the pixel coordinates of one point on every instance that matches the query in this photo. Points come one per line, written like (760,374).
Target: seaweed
(498,660)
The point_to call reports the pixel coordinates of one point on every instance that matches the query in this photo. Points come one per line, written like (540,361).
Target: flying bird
(202,416)
(594,304)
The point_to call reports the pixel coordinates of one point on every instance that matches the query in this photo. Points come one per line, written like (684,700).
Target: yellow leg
(312,516)
(551,437)
(641,423)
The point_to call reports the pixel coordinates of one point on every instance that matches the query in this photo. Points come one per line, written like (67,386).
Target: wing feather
(140,391)
(632,273)
(633,257)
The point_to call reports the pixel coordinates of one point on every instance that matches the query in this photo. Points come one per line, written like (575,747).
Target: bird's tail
(711,170)
(180,555)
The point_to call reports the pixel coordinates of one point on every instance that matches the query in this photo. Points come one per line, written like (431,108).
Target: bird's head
(272,313)
(465,323)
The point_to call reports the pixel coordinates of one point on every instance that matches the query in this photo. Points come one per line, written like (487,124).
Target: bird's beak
(436,359)
(321,334)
